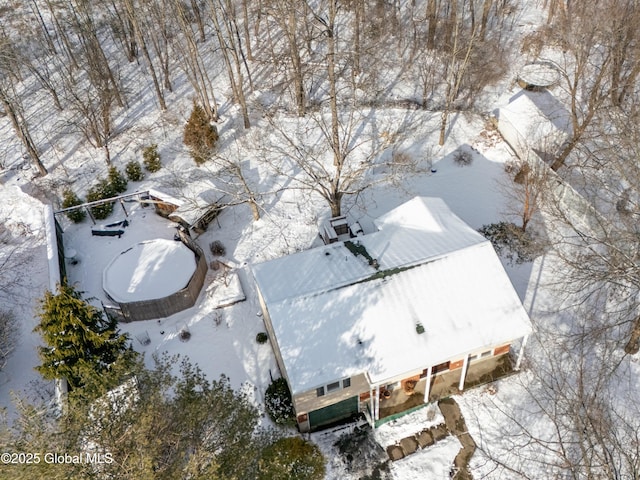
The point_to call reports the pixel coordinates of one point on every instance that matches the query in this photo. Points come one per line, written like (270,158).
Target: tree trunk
(486,8)
(245,29)
(145,52)
(432,10)
(255,211)
(230,48)
(443,126)
(633,345)
(335,205)
(198,17)
(22,132)
(331,74)
(62,34)
(43,26)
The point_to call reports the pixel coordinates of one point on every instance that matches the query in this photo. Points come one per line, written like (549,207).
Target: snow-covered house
(376,324)
(534,121)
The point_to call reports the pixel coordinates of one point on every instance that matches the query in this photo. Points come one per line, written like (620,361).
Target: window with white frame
(478,356)
(333,387)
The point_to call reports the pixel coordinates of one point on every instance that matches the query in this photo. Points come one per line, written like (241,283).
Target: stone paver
(395,452)
(439,432)
(425,439)
(409,445)
(454,424)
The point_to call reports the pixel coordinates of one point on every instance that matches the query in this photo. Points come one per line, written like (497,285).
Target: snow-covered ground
(223,341)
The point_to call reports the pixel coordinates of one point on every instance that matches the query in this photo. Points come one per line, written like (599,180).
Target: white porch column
(377,402)
(463,375)
(372,408)
(427,387)
(521,352)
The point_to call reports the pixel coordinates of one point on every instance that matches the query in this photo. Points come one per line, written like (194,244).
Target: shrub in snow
(199,135)
(70,199)
(277,402)
(463,158)
(262,338)
(511,167)
(117,180)
(362,454)
(100,191)
(151,158)
(291,458)
(134,171)
(217,248)
(521,174)
(185,335)
(511,242)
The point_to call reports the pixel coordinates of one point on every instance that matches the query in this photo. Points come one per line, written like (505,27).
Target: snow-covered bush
(277,402)
(134,171)
(70,199)
(151,158)
(291,458)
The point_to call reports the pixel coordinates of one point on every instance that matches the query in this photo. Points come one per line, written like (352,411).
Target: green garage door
(333,413)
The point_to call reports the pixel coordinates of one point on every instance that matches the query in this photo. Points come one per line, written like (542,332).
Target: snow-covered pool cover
(334,316)
(149,270)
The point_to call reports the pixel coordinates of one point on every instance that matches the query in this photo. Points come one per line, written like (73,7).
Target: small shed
(194,207)
(202,201)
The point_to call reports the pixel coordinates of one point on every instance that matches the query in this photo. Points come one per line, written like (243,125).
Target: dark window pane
(333,386)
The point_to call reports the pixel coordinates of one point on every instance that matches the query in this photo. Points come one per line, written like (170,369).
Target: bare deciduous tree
(578,419)
(190,59)
(600,64)
(365,156)
(223,14)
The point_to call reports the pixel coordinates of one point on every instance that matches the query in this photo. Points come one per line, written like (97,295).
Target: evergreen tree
(199,135)
(162,424)
(117,181)
(134,171)
(151,158)
(70,199)
(291,458)
(101,190)
(81,344)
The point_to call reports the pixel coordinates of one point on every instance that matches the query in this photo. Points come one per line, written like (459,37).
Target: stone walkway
(454,425)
